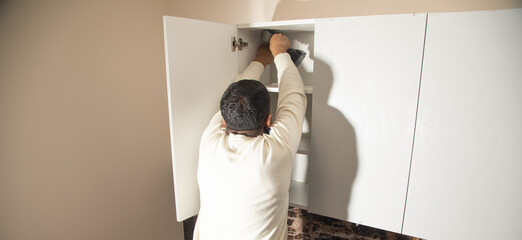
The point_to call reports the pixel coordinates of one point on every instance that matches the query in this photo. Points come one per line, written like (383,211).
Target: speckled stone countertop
(305,225)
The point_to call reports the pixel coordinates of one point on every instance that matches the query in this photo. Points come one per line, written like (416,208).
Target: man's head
(245,106)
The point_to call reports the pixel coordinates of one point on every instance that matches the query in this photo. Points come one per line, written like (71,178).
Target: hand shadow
(333,161)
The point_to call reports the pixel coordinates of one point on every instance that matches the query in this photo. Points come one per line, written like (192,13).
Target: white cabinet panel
(367,72)
(466,176)
(200,65)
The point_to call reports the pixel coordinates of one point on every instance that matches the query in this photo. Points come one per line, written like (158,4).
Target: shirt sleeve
(291,102)
(252,72)
(213,126)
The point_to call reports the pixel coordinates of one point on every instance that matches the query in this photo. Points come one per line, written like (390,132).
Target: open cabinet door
(367,73)
(200,65)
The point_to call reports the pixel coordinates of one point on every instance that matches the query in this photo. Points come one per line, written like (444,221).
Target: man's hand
(264,55)
(279,44)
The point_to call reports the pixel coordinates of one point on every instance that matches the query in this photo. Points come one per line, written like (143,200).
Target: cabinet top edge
(299,25)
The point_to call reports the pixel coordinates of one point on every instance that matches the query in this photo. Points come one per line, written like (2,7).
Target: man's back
(244,186)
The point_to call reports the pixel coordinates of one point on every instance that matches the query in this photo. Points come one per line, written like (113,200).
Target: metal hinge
(239,44)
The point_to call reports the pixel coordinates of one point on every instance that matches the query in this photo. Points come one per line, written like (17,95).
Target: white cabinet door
(367,73)
(466,176)
(200,65)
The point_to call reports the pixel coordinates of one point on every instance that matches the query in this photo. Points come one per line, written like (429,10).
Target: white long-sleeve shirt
(244,181)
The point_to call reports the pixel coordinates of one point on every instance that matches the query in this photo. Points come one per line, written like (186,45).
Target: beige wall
(84,133)
(296,9)
(84,139)
(244,11)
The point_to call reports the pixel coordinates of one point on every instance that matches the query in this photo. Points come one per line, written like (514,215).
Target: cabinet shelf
(299,194)
(304,146)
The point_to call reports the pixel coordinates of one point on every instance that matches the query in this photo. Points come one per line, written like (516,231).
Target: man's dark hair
(245,105)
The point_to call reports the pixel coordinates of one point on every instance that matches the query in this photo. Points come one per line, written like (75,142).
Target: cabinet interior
(301,35)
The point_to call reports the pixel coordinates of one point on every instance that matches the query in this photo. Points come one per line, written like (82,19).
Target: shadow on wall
(302,9)
(334,157)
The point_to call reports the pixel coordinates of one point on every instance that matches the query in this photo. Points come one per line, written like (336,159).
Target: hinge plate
(238,44)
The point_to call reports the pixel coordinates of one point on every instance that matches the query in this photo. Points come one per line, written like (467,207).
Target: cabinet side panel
(367,72)
(200,65)
(466,180)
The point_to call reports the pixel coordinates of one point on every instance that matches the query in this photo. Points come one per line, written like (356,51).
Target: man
(245,161)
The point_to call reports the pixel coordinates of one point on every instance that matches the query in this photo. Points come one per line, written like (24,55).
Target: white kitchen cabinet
(200,65)
(466,180)
(434,164)
(362,76)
